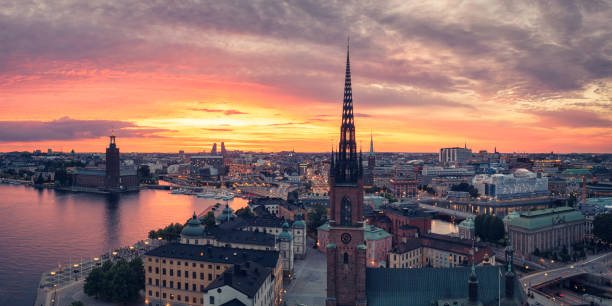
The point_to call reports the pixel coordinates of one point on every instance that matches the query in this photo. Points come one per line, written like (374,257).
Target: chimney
(227,278)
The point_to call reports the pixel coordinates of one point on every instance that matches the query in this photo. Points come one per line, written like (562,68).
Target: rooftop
(423,286)
(207,253)
(546,217)
(246,278)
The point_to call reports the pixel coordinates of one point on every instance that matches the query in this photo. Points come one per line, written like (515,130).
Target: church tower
(113,175)
(346,251)
(371,163)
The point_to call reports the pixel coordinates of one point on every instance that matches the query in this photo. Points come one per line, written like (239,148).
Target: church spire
(347,167)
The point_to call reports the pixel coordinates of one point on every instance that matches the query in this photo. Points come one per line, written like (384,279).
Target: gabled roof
(246,278)
(385,286)
(234,302)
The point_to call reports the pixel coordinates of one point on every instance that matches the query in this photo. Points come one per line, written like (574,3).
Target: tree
(39,180)
(94,282)
(120,282)
(77,303)
(317,216)
(602,227)
(61,177)
(171,232)
(466,188)
(245,211)
(209,220)
(571,200)
(489,228)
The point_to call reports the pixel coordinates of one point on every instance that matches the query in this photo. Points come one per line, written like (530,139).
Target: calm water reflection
(443,227)
(41,228)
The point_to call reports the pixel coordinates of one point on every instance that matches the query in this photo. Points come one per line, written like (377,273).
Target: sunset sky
(524,76)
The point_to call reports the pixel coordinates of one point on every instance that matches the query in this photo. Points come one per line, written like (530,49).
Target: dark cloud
(531,47)
(572,118)
(227,112)
(70,129)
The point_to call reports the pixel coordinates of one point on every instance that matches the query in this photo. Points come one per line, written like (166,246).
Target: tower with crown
(112,175)
(346,251)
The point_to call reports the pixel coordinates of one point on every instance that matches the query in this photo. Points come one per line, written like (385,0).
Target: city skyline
(265,76)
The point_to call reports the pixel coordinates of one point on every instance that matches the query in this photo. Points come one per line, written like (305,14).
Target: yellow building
(177,274)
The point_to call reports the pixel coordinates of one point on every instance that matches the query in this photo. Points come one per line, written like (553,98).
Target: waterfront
(41,228)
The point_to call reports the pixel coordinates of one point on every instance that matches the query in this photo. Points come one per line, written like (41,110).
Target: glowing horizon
(522,77)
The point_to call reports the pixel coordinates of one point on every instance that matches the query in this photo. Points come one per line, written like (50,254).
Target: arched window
(346,258)
(345,212)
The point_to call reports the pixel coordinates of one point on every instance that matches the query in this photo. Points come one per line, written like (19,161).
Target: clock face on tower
(346,238)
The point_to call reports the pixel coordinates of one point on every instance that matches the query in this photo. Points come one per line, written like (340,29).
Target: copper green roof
(193,228)
(370,233)
(546,217)
(426,286)
(285,233)
(467,223)
(578,171)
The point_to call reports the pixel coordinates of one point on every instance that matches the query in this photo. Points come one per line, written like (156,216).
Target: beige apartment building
(178,274)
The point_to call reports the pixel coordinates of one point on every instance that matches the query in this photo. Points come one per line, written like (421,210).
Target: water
(442,227)
(41,228)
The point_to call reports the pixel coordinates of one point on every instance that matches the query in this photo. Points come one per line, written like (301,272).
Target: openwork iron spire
(347,164)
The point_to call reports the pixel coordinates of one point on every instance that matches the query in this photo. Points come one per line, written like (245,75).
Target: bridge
(450,212)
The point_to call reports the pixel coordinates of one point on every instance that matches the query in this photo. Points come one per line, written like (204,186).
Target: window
(171,284)
(212,300)
(201,265)
(156,293)
(156,260)
(186,286)
(209,276)
(178,285)
(194,300)
(178,297)
(193,264)
(150,281)
(171,272)
(218,267)
(156,270)
(201,275)
(178,262)
(164,271)
(210,266)
(172,262)
(157,282)
(193,275)
(150,269)
(186,264)
(163,261)
(163,295)
(163,283)
(346,258)
(201,289)
(150,259)
(178,273)
(345,212)
(150,293)
(186,274)
(193,287)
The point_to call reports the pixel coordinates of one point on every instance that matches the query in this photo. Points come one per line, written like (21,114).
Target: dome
(299,221)
(227,214)
(523,173)
(285,233)
(467,223)
(193,228)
